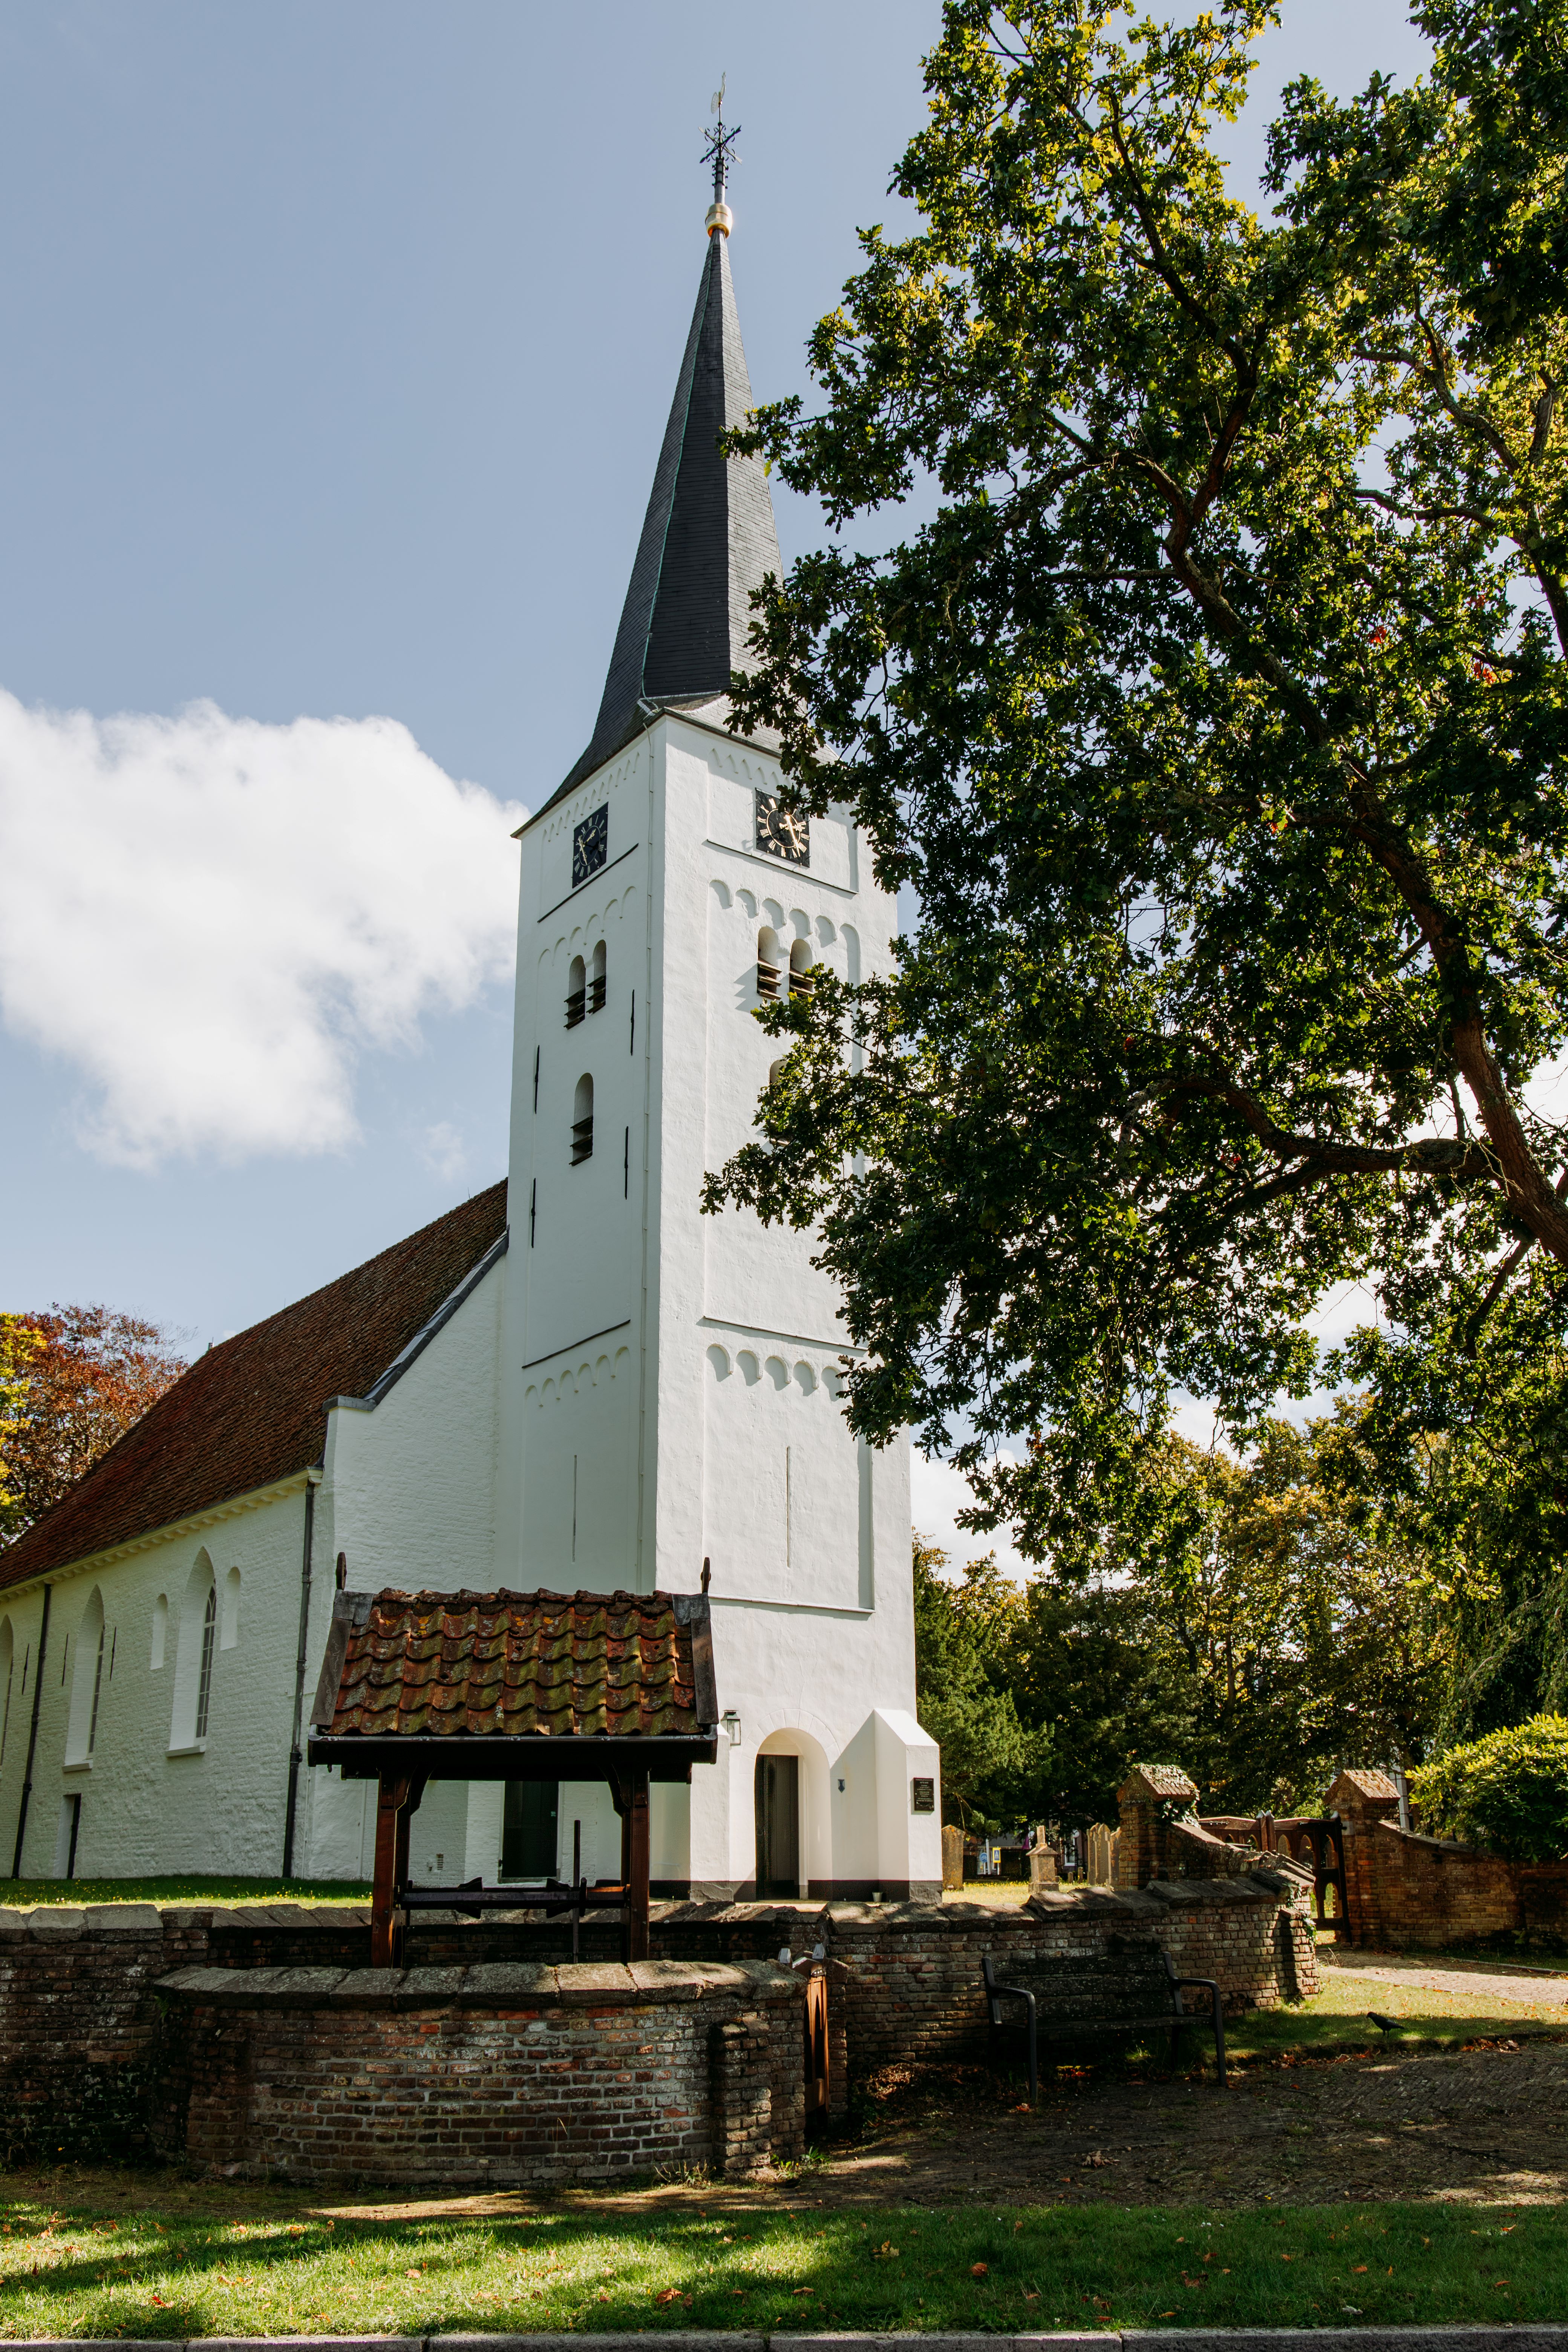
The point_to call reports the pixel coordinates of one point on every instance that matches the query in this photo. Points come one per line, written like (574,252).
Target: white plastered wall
(731,1445)
(409,1494)
(217,1807)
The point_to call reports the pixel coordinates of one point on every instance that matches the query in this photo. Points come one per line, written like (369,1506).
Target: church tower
(670,1381)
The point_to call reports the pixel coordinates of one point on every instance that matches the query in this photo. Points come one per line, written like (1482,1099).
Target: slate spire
(708,539)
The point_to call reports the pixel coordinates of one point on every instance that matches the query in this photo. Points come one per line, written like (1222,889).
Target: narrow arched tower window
(597,980)
(205,1685)
(582,1121)
(577,992)
(770,963)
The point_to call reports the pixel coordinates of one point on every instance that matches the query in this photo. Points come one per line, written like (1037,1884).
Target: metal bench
(1135,1990)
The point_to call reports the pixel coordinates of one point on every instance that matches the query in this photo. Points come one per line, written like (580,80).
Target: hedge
(1508,1791)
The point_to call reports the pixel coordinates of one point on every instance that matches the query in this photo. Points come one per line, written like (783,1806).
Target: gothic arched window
(769,962)
(194,1658)
(204,1681)
(582,1121)
(597,980)
(86,1684)
(577,992)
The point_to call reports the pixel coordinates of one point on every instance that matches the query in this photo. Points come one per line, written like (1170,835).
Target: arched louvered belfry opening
(582,1121)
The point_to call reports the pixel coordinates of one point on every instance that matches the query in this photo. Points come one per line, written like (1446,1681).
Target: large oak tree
(1216,714)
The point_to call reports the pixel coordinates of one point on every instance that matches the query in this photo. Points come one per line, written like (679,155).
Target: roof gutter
(313,1478)
(32,1737)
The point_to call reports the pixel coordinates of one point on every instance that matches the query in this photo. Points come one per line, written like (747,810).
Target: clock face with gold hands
(783,832)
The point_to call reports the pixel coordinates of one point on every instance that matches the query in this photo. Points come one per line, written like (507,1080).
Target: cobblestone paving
(1482,2126)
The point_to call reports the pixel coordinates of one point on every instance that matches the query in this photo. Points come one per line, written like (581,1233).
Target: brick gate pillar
(1362,1800)
(1143,1798)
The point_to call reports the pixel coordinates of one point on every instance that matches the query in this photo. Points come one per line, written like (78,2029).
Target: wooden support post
(636,1874)
(628,1792)
(396,1804)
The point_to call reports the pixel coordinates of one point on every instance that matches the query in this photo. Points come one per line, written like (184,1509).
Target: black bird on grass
(1384,2024)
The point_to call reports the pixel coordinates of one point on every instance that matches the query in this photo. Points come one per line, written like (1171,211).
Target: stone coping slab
(1545,2337)
(797,1925)
(491,1985)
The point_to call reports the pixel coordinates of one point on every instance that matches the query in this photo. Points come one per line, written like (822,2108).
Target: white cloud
(443,1151)
(937,1494)
(212,918)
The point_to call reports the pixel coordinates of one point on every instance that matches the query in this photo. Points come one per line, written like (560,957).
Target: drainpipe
(295,1759)
(32,1736)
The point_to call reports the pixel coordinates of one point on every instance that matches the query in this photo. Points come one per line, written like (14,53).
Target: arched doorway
(778,1827)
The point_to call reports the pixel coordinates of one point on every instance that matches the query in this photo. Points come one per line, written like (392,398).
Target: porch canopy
(417,1687)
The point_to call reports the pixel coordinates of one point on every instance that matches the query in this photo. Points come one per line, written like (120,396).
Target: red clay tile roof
(621,1664)
(250,1410)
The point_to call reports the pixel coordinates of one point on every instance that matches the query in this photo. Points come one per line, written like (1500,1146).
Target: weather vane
(720,149)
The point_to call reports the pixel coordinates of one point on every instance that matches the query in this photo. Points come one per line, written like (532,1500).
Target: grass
(23,1893)
(1336,2018)
(270,2263)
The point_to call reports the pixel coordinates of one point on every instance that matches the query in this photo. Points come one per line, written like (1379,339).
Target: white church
(574,1381)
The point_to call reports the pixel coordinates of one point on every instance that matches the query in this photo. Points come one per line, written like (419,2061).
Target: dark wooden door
(529,1828)
(778,1825)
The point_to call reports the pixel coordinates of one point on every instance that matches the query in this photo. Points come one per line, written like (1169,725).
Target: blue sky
(337,345)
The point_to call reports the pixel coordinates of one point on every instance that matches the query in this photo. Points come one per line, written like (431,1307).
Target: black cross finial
(720,149)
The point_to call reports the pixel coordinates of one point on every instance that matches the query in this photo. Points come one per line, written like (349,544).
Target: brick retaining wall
(82,2043)
(908,1985)
(509,2074)
(1409,1892)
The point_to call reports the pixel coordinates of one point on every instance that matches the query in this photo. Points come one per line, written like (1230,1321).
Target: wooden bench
(1134,1990)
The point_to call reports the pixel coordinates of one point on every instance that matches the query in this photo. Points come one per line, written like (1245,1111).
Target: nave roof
(250,1411)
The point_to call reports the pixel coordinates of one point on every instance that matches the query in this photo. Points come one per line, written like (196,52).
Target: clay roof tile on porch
(621,1665)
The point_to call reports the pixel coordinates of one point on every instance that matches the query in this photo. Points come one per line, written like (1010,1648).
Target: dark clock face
(590,845)
(783,832)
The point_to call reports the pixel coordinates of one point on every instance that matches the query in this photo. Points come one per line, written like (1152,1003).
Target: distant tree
(1258,1619)
(78,1383)
(19,1343)
(1463,1442)
(960,1645)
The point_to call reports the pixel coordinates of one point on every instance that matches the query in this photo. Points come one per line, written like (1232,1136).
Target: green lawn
(1336,2018)
(281,2266)
(22,1894)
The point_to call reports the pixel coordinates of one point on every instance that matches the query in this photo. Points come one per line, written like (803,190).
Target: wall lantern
(732,1723)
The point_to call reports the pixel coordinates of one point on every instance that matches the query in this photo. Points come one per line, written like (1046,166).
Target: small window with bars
(577,992)
(770,965)
(597,980)
(583,1122)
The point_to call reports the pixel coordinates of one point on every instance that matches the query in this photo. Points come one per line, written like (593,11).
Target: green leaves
(1509,1790)
(1217,715)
